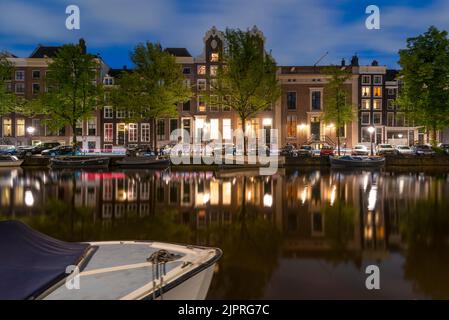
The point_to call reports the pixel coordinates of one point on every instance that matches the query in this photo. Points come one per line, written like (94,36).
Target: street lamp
(30,131)
(371,131)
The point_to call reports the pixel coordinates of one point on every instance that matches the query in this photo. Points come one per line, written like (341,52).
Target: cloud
(298,31)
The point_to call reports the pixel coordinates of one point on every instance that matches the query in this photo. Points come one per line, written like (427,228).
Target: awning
(31,262)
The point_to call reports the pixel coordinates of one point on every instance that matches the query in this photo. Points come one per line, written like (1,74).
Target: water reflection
(296,235)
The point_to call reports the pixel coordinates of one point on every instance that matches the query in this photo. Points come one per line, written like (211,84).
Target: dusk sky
(298,32)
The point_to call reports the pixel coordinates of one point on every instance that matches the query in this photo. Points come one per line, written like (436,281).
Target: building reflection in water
(338,215)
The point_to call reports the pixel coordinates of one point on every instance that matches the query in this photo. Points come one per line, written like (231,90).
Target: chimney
(82,45)
(343,62)
(355,61)
(375,63)
(125,67)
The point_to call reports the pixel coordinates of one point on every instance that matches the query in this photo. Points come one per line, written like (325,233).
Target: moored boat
(69,163)
(10,161)
(143,162)
(356,162)
(35,266)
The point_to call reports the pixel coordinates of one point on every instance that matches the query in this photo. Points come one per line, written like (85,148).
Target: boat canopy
(31,262)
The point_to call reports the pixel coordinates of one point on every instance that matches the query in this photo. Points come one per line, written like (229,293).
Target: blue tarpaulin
(31,262)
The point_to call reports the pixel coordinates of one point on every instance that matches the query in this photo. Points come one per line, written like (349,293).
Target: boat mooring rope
(159,260)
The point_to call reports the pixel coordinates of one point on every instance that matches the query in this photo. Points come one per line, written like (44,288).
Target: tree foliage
(154,88)
(338,108)
(425,73)
(9,102)
(246,81)
(72,91)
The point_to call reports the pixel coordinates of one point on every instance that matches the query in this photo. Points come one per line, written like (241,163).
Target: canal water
(302,234)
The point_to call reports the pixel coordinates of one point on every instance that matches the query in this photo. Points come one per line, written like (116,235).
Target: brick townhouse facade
(296,115)
(28,81)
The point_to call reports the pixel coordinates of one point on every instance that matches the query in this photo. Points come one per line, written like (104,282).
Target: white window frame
(369,118)
(135,128)
(377,77)
(374,118)
(106,137)
(369,91)
(120,114)
(144,127)
(201,84)
(19,84)
(108,112)
(369,104)
(366,76)
(374,88)
(19,72)
(380,104)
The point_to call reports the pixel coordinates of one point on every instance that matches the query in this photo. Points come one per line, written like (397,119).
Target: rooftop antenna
(320,59)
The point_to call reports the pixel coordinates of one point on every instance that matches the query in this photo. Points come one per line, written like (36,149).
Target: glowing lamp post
(371,131)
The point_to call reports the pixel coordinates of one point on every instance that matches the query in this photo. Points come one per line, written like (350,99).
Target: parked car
(304,151)
(360,150)
(404,150)
(289,150)
(423,150)
(8,150)
(61,151)
(385,148)
(37,149)
(326,151)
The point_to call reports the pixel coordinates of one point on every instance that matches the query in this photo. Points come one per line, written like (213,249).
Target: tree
(153,89)
(246,81)
(9,102)
(72,92)
(425,72)
(338,107)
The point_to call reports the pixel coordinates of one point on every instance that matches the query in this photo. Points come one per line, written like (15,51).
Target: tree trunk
(74,134)
(434,136)
(245,140)
(338,141)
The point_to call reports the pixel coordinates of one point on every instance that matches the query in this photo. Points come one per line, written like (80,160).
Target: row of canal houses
(296,115)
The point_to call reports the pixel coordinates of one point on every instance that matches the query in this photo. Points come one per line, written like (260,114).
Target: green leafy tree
(338,107)
(9,102)
(153,89)
(73,93)
(425,72)
(246,81)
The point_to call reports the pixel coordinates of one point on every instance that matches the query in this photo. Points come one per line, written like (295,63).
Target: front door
(315,131)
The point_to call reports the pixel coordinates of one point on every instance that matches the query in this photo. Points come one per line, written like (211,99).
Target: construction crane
(320,59)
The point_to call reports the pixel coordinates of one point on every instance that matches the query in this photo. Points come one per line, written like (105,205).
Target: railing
(323,139)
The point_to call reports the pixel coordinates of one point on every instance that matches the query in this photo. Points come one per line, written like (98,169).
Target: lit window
(377,104)
(291,126)
(201,70)
(201,104)
(366,92)
(378,91)
(7,127)
(214,129)
(20,130)
(214,57)
(227,129)
(366,104)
